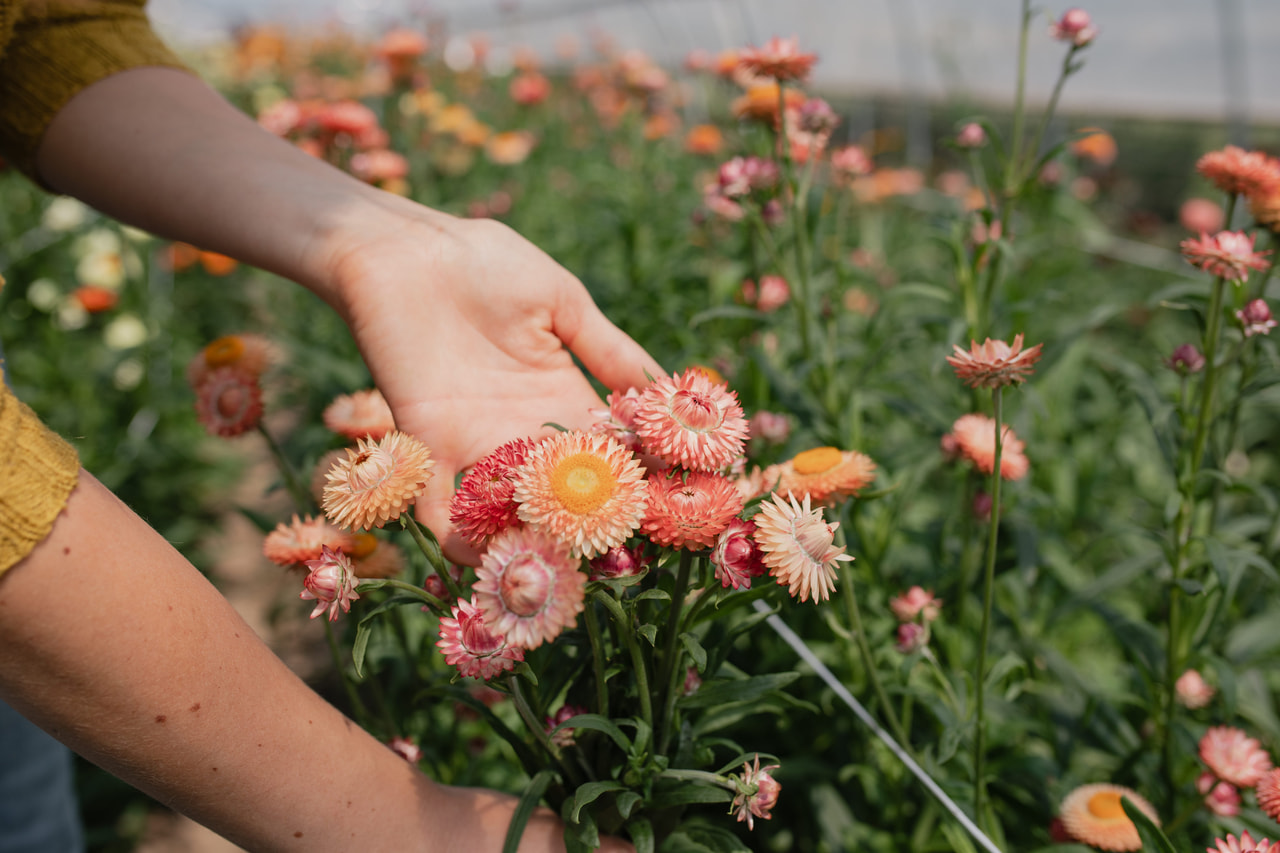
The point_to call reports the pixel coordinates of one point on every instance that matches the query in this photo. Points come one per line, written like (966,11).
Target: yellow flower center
(1105,805)
(362,545)
(583,482)
(817,460)
(224,351)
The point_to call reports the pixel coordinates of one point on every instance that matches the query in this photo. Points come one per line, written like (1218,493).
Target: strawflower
(477,650)
(1192,690)
(375,559)
(1255,318)
(757,793)
(825,474)
(769,427)
(1228,254)
(912,637)
(228,402)
(362,414)
(528,587)
(300,540)
(971,136)
(1234,170)
(1233,756)
(1243,844)
(772,293)
(780,59)
(973,437)
(690,421)
(331,584)
(1269,794)
(563,738)
(994,364)
(796,544)
(585,489)
(1093,815)
(1074,26)
(1221,798)
(690,510)
(484,503)
(1185,360)
(736,555)
(619,420)
(377,481)
(619,562)
(915,603)
(406,749)
(247,353)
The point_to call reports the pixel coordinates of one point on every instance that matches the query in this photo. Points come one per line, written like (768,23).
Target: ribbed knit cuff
(38,470)
(55,53)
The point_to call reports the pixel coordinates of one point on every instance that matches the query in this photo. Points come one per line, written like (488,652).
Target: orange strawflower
(95,299)
(228,402)
(362,414)
(292,544)
(690,510)
(1234,170)
(973,437)
(825,474)
(378,481)
(704,139)
(1093,815)
(245,353)
(510,147)
(691,422)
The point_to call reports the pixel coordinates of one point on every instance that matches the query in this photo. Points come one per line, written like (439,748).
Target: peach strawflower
(363,414)
(248,353)
(736,555)
(704,139)
(585,489)
(1234,170)
(1265,207)
(475,649)
(320,472)
(1269,794)
(796,543)
(772,293)
(974,438)
(1228,254)
(1233,756)
(331,584)
(377,481)
(483,505)
(619,420)
(290,545)
(228,402)
(690,510)
(528,587)
(761,103)
(916,602)
(691,422)
(994,363)
(757,793)
(825,474)
(376,559)
(1192,690)
(1221,798)
(1093,815)
(1243,844)
(780,59)
(510,147)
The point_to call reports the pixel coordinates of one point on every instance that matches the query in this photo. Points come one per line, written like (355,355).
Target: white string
(806,654)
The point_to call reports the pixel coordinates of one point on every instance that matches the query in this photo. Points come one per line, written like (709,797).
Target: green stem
(405,587)
(988,600)
(637,658)
(698,776)
(1063,74)
(854,612)
(597,660)
(358,708)
(430,547)
(1011,171)
(671,654)
(538,729)
(301,497)
(798,218)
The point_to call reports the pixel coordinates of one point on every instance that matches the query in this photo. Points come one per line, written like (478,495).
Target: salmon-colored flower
(849,162)
(689,421)
(530,88)
(1093,815)
(585,489)
(971,136)
(379,166)
(973,437)
(690,510)
(1269,794)
(1234,170)
(1201,214)
(510,147)
(915,603)
(248,353)
(331,584)
(228,402)
(363,414)
(797,545)
(1243,844)
(780,58)
(1192,690)
(376,559)
(95,299)
(772,293)
(528,587)
(293,544)
(619,420)
(757,793)
(760,102)
(1221,798)
(757,482)
(477,650)
(484,504)
(1074,26)
(704,140)
(351,118)
(993,364)
(1233,756)
(1228,254)
(825,474)
(377,481)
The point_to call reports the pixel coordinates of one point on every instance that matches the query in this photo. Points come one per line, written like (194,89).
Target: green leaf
(742,690)
(662,595)
(641,832)
(695,649)
(703,838)
(532,794)
(599,724)
(592,791)
(687,793)
(650,631)
(1152,837)
(626,803)
(361,645)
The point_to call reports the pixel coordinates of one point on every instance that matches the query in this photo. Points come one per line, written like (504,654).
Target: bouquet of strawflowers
(616,571)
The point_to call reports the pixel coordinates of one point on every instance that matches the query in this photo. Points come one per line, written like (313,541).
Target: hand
(468,329)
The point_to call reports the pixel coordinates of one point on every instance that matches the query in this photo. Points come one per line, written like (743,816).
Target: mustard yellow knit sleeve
(58,47)
(38,470)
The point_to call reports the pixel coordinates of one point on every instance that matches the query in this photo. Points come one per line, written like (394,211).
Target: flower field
(994,436)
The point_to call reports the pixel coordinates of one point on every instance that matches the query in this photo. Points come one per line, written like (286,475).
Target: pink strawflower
(1192,690)
(692,681)
(363,414)
(741,175)
(994,363)
(915,603)
(378,481)
(584,489)
(1228,254)
(1221,798)
(1243,844)
(331,584)
(797,545)
(293,544)
(529,88)
(528,586)
(757,793)
(736,555)
(912,637)
(351,118)
(982,506)
(971,136)
(477,650)
(849,162)
(772,294)
(563,738)
(757,482)
(619,562)
(825,474)
(379,165)
(690,509)
(1233,756)
(1201,214)
(406,749)
(780,59)
(1074,26)
(435,584)
(484,504)
(228,402)
(1234,170)
(1255,318)
(769,427)
(1185,360)
(722,206)
(973,437)
(690,421)
(1269,796)
(619,420)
